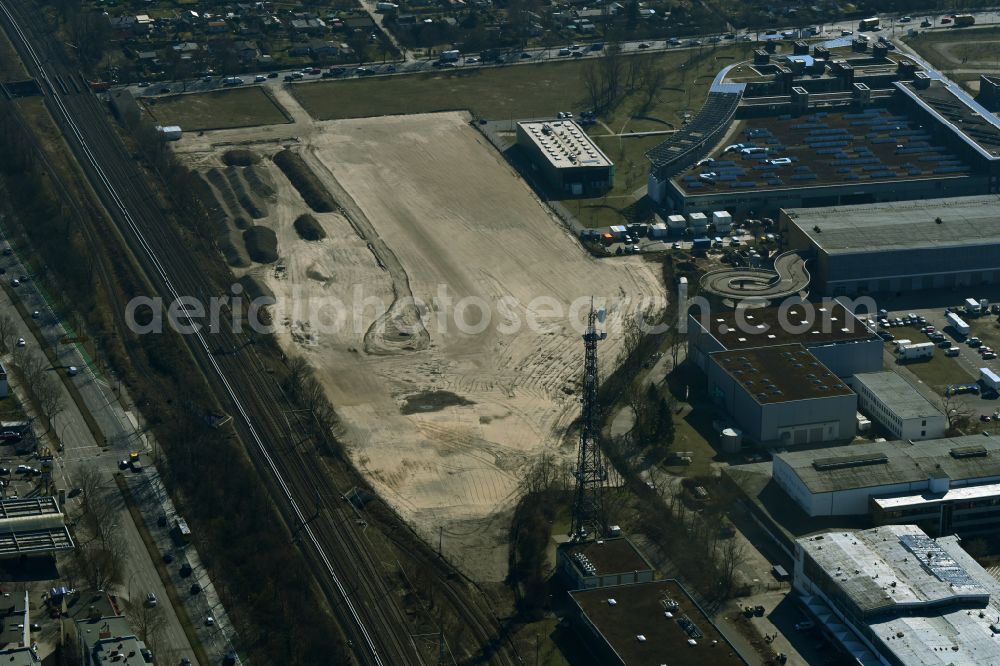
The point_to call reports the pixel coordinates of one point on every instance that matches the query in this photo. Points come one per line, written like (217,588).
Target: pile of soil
(305,181)
(309,228)
(240,158)
(255,288)
(262,244)
(232,248)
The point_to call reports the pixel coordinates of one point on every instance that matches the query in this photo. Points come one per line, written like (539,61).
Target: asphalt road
(80,449)
(891,27)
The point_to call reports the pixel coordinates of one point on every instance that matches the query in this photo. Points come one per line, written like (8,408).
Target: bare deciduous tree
(8,332)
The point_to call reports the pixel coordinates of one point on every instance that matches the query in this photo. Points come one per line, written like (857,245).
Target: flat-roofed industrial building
(650,623)
(945,485)
(898,406)
(782,396)
(32,526)
(566,158)
(831,332)
(893,595)
(899,246)
(603,562)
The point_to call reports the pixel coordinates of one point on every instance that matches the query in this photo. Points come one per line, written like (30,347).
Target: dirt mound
(262,244)
(241,222)
(255,288)
(309,228)
(240,158)
(248,202)
(259,182)
(216,211)
(232,248)
(305,181)
(222,186)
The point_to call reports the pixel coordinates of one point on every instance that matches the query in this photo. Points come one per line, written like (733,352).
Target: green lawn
(939,371)
(521,91)
(219,109)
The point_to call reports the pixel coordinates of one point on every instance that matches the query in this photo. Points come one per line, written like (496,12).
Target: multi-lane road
(892,26)
(354,580)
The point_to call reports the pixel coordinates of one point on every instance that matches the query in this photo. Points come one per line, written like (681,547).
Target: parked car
(643,45)
(272,75)
(945,21)
(150,599)
(21,342)
(989,356)
(209,621)
(985,418)
(260,78)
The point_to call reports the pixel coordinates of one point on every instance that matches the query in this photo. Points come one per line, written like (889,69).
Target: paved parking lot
(964,367)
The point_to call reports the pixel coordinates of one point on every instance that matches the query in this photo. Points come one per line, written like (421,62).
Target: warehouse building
(828,132)
(566,158)
(946,485)
(782,395)
(899,246)
(650,623)
(898,406)
(601,563)
(893,595)
(828,330)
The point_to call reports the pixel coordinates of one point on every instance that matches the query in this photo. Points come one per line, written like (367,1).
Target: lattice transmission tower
(591,473)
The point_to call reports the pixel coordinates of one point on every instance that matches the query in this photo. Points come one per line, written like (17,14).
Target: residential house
(142,25)
(247,51)
(309,25)
(321,50)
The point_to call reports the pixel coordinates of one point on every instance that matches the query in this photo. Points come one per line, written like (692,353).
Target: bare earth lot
(443,422)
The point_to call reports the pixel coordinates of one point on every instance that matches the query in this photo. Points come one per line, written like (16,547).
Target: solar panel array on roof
(936,560)
(688,145)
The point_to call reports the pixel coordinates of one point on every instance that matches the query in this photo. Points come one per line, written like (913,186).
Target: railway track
(356,585)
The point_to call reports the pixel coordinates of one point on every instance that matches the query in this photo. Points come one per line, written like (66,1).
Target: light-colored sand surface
(447,213)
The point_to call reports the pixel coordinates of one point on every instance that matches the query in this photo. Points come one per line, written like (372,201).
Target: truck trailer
(989,378)
(971,306)
(917,351)
(957,323)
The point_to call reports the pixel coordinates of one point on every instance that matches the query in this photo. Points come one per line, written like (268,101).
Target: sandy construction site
(444,418)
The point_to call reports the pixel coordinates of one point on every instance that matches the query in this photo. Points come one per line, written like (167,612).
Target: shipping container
(722,220)
(964,19)
(972,305)
(698,220)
